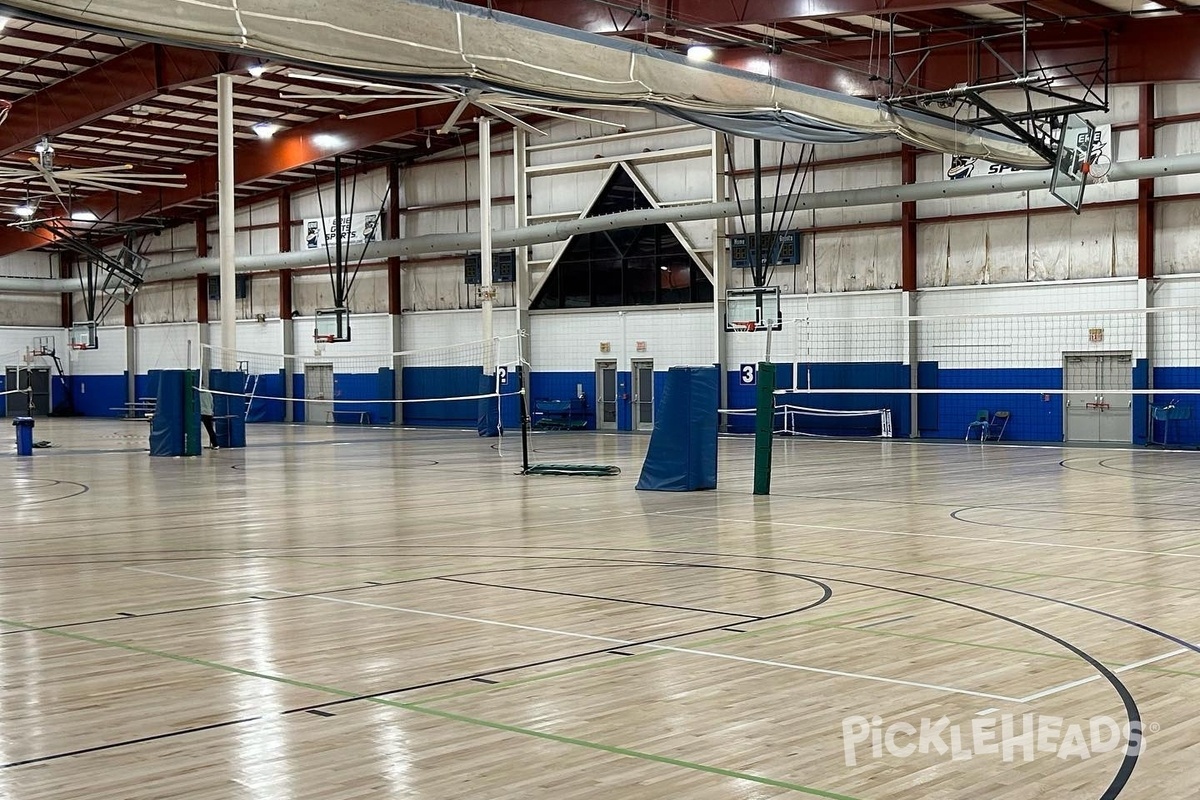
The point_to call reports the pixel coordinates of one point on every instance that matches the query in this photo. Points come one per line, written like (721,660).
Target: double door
(1099,397)
(611,393)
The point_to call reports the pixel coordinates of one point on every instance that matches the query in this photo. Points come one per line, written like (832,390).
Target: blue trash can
(24,426)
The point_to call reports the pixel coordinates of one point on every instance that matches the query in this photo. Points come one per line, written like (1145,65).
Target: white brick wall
(570,341)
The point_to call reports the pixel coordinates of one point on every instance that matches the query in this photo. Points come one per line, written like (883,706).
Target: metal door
(1099,397)
(606,395)
(643,395)
(318,391)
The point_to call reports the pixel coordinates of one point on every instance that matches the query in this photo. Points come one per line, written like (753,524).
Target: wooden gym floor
(370,613)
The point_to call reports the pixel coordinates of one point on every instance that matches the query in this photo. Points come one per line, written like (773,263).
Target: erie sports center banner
(356,229)
(956,167)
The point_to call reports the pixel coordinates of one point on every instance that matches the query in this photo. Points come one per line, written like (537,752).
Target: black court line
(597,597)
(1116,785)
(83,488)
(885,622)
(141,740)
(319,713)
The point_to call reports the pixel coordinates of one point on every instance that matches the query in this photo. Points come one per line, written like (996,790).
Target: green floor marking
(433,712)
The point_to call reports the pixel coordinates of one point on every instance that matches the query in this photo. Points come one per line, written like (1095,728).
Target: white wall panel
(570,341)
(175,346)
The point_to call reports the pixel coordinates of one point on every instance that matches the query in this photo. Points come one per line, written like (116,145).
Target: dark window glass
(631,266)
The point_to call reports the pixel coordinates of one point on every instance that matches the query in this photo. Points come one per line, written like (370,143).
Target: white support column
(225,220)
(524,284)
(485,241)
(720,266)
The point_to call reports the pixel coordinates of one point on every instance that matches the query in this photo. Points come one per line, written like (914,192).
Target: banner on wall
(356,229)
(956,167)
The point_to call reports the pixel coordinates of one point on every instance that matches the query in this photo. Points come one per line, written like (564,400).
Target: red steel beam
(908,223)
(109,86)
(291,149)
(1145,197)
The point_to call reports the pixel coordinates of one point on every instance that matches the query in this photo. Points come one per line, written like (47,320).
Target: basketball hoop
(749,326)
(1097,169)
(79,346)
(325,339)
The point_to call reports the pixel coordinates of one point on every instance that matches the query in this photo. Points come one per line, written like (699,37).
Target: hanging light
(83,215)
(264,129)
(43,146)
(25,210)
(256,70)
(699,52)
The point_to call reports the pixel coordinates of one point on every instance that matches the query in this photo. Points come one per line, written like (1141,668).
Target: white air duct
(560,231)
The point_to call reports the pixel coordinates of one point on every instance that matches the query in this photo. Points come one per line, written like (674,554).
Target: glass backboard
(332,325)
(757,304)
(1074,150)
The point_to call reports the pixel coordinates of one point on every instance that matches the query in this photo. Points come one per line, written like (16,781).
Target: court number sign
(502,375)
(749,374)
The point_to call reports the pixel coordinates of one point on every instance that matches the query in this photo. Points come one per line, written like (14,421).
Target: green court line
(433,712)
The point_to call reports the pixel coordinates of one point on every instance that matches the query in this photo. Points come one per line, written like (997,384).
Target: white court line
(1026,542)
(687,650)
(1082,681)
(1117,671)
(192,578)
(605,639)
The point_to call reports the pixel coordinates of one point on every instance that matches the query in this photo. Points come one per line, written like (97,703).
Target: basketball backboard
(756,304)
(83,336)
(1074,152)
(332,325)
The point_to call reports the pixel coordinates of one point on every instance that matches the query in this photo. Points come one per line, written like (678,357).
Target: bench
(364,417)
(137,409)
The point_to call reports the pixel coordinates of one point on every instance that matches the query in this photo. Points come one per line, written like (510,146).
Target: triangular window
(642,266)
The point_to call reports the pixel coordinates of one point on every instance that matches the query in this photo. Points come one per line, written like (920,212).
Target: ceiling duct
(447,43)
(560,231)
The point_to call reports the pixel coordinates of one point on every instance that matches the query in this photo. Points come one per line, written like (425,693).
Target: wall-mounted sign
(356,229)
(955,167)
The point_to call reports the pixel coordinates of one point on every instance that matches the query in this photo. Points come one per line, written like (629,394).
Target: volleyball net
(447,386)
(1055,373)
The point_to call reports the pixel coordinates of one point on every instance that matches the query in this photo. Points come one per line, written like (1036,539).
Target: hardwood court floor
(370,613)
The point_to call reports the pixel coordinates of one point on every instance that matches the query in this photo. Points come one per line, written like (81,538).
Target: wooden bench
(364,417)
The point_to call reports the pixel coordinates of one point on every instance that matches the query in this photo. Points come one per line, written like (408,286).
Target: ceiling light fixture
(699,52)
(264,129)
(25,210)
(83,216)
(256,70)
(326,140)
(4,21)
(43,146)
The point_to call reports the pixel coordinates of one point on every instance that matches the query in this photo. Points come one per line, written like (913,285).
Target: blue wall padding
(850,376)
(265,405)
(167,427)
(100,395)
(564,386)
(1183,432)
(441,382)
(1141,403)
(683,446)
(487,422)
(229,407)
(360,386)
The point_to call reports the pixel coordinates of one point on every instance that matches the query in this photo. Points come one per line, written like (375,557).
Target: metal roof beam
(108,87)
